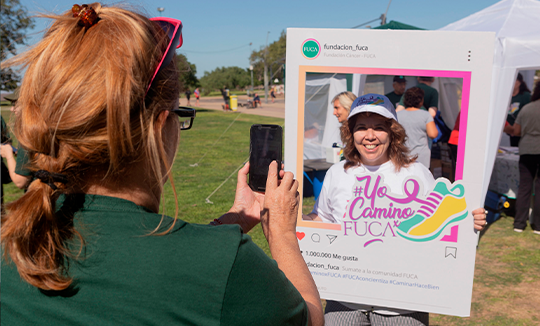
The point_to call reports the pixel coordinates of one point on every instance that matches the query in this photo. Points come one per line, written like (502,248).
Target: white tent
(321,127)
(517,27)
(449,92)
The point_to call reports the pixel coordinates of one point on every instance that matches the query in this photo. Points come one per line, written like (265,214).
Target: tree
(187,73)
(230,77)
(14,21)
(275,58)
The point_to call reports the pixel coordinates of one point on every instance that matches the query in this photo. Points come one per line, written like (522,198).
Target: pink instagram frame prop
(465,76)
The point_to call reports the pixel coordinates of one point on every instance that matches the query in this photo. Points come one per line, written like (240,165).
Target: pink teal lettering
(353,205)
(367,213)
(373,191)
(380,212)
(407,212)
(381,192)
(356,229)
(347,227)
(388,227)
(370,232)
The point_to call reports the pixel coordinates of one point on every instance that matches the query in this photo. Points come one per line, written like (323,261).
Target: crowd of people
(525,128)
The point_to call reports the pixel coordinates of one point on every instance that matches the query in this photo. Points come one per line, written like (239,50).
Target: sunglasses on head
(173,29)
(186,116)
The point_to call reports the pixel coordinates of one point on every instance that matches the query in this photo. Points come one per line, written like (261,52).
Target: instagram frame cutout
(324,245)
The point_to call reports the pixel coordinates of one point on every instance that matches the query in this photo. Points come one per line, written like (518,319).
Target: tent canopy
(517,27)
(397,25)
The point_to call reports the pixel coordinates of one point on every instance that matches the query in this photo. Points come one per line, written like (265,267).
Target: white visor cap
(374,103)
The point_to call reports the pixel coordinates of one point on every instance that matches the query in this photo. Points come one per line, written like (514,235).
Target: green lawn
(507,276)
(217,93)
(217,159)
(234,92)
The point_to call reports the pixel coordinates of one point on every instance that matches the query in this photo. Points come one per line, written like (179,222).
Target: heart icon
(300,235)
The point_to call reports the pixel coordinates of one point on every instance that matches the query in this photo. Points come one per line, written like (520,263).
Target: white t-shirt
(338,184)
(337,191)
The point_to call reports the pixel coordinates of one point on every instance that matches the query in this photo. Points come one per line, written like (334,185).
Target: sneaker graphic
(441,208)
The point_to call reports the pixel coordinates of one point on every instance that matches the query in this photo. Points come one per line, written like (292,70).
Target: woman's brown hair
(536,93)
(413,97)
(83,113)
(398,153)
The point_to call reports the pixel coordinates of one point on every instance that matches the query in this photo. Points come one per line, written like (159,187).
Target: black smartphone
(266,145)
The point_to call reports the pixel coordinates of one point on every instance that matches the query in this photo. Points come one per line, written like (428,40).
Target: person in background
(256,100)
(521,95)
(226,99)
(6,142)
(431,96)
(527,126)
(272,94)
(418,124)
(197,94)
(16,165)
(87,244)
(374,144)
(188,96)
(399,84)
(342,105)
(453,141)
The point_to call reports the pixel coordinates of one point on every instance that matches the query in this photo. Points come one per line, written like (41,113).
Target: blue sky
(218,33)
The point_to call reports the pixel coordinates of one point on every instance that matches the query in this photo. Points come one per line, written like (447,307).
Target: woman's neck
(515,92)
(136,186)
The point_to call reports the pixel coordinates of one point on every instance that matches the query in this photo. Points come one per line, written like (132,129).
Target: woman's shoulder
(531,106)
(340,169)
(418,169)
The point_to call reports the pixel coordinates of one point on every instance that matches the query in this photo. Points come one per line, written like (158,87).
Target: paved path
(275,110)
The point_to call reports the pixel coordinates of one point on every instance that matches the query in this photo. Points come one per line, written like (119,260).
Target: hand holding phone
(266,145)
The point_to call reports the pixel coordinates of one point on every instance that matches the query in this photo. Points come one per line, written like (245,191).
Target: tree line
(272,56)
(268,60)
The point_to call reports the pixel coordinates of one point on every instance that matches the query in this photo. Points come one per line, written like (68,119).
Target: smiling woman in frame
(375,143)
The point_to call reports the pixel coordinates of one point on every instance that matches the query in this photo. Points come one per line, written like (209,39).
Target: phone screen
(265,147)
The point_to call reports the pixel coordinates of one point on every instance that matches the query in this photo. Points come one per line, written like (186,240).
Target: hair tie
(87,15)
(50,178)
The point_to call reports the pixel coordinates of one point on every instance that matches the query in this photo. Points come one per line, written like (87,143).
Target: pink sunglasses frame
(175,41)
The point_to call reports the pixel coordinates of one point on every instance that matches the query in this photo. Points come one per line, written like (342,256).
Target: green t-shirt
(431,97)
(22,161)
(394,98)
(195,275)
(523,99)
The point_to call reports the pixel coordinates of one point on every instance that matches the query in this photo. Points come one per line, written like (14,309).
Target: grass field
(507,276)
